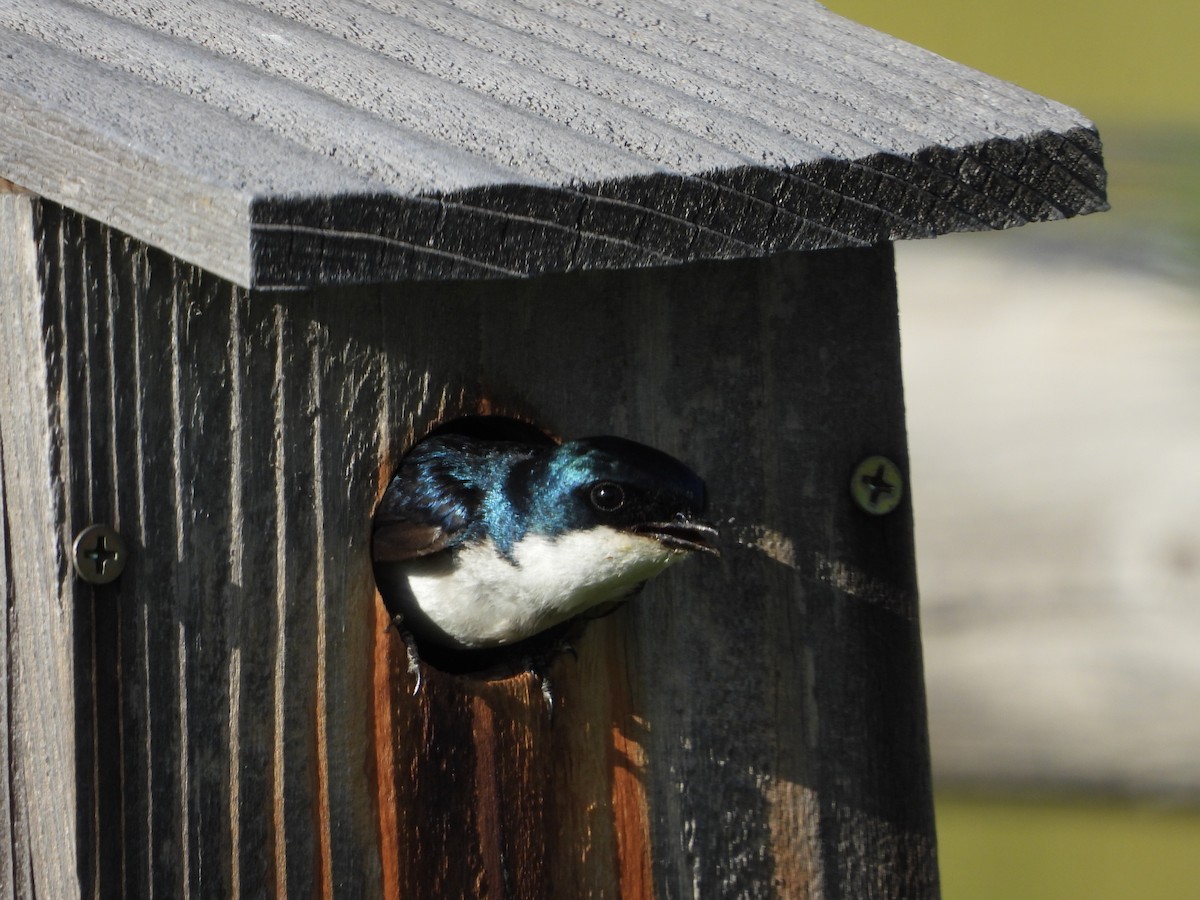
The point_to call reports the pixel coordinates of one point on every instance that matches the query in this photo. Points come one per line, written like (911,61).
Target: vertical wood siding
(243,723)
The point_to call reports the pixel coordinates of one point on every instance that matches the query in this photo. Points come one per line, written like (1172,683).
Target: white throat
(480,599)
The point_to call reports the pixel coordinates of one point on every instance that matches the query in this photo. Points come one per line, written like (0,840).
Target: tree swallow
(482,543)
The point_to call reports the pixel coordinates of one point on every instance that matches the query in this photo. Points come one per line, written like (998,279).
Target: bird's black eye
(607,496)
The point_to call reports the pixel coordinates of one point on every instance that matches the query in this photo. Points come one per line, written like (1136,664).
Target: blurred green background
(1132,62)
(1134,69)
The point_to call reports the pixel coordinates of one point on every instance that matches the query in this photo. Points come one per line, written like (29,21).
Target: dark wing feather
(429,506)
(399,541)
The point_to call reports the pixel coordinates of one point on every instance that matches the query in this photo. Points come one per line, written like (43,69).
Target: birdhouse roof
(283,144)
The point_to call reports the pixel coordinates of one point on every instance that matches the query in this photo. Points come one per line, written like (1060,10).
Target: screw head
(877,485)
(98,554)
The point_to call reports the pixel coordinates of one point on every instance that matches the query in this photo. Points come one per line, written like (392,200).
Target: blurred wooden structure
(1074,567)
(253,250)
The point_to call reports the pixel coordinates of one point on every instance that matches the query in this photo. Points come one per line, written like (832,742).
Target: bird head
(610,482)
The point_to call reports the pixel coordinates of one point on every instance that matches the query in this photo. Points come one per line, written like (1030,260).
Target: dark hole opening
(493,428)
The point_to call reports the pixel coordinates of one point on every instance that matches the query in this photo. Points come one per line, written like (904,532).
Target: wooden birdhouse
(252,252)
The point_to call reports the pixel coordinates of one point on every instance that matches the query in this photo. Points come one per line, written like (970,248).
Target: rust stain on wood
(630,816)
(627,766)
(385,757)
(580,795)
(383,764)
(794,815)
(487,799)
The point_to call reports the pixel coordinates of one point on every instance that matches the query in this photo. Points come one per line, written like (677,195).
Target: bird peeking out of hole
(482,544)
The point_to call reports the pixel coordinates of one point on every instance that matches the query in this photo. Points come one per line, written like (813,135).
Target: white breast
(480,599)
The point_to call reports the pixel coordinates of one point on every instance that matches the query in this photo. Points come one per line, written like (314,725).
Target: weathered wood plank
(16,863)
(42,744)
(283,146)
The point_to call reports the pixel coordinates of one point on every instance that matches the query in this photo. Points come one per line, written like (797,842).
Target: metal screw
(877,485)
(98,554)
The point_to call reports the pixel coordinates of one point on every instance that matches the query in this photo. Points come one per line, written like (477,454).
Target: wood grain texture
(42,744)
(244,722)
(288,145)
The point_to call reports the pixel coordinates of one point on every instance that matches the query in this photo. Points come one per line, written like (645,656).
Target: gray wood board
(752,726)
(38,726)
(283,145)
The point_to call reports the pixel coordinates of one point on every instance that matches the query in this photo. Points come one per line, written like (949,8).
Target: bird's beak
(681,534)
